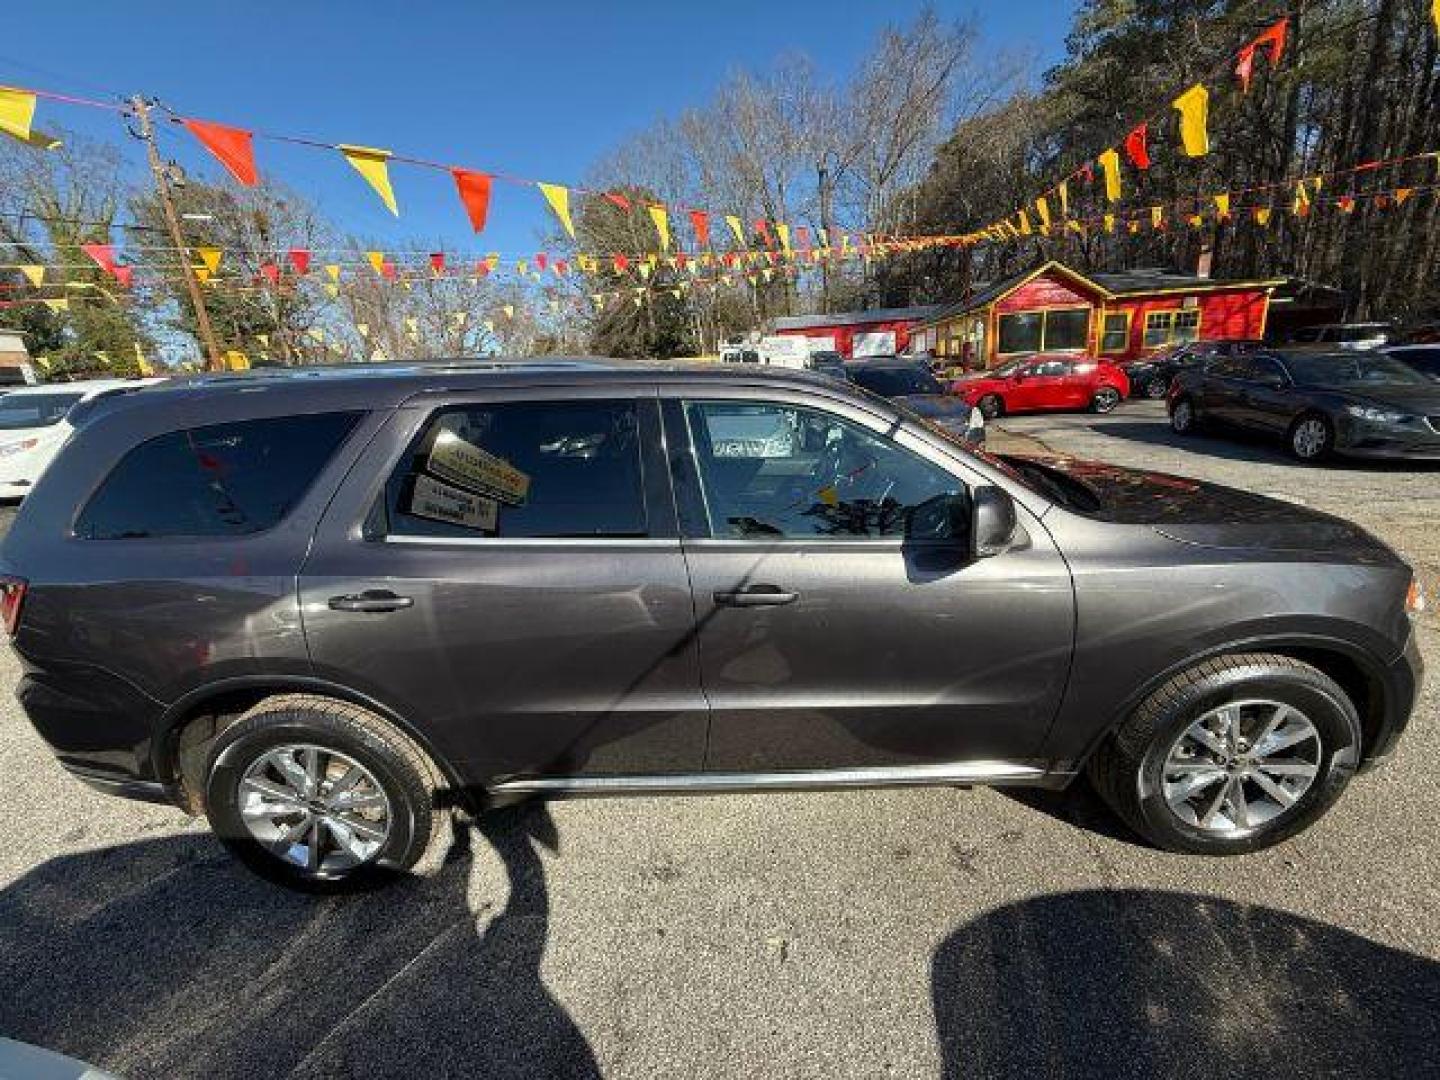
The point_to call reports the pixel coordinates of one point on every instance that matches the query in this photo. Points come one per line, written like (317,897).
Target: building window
(1167,327)
(1062,330)
(1116,336)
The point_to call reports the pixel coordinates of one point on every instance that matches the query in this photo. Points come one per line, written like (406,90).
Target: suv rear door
(825,641)
(504,571)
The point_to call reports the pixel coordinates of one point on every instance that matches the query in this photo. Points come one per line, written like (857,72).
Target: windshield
(894,381)
(1008,368)
(1346,370)
(19,411)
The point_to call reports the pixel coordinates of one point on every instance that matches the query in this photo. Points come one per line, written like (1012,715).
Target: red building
(1117,316)
(881,332)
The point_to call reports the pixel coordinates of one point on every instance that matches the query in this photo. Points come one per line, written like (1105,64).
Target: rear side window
(523,469)
(222,480)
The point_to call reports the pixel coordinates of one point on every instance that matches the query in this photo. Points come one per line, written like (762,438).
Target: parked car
(827,362)
(320,611)
(911,385)
(1423,358)
(35,421)
(1345,335)
(1151,376)
(1361,404)
(1039,382)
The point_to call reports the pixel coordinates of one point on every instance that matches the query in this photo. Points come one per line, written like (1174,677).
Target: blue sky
(533,89)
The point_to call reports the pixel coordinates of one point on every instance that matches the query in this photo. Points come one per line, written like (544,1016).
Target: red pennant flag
(103,254)
(1087,171)
(562,267)
(271,272)
(1275,38)
(1135,146)
(680,260)
(482,268)
(802,239)
(730,258)
(619,200)
(232,146)
(1346,203)
(621,264)
(387,270)
(1245,67)
(700,221)
(541,259)
(763,228)
(474,189)
(300,259)
(125,275)
(437,263)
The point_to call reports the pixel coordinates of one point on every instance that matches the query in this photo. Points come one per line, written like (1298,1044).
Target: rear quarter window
(220,480)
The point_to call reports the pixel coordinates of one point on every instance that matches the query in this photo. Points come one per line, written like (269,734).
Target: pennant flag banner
(1109,163)
(700,222)
(232,147)
(372,164)
(300,259)
(1194,108)
(1063,191)
(103,254)
(210,256)
(333,271)
(661,217)
(437,263)
(1222,206)
(559,199)
(58,305)
(474,190)
(17,113)
(1042,210)
(1135,146)
(377,260)
(736,229)
(34,274)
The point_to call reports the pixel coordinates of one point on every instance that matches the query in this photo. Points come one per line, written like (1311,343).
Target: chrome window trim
(646,542)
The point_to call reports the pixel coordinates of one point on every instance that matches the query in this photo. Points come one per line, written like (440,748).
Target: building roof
(856,318)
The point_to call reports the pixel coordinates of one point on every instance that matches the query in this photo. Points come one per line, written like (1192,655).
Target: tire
(1183,420)
(1104,400)
(991,407)
(387,835)
(1141,768)
(1156,388)
(1311,438)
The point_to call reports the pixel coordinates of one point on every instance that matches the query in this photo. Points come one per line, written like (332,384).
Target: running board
(960,772)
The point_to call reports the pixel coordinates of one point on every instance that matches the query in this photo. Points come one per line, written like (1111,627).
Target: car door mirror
(992,521)
(944,519)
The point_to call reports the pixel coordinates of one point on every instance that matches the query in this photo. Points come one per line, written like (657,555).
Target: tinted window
(523,469)
(222,480)
(895,381)
(770,470)
(1228,367)
(1262,369)
(1053,368)
(1354,369)
(1068,329)
(18,411)
(1424,360)
(1021,333)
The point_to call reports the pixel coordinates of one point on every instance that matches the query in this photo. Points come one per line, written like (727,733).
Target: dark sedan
(1362,404)
(1151,376)
(1423,358)
(911,384)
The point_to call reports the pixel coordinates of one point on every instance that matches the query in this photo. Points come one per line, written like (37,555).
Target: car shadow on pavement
(167,958)
(1148,983)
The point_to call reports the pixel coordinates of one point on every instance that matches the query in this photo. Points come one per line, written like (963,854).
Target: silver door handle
(756,596)
(371,600)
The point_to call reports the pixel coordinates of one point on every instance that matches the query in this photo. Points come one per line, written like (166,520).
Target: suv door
(825,641)
(504,572)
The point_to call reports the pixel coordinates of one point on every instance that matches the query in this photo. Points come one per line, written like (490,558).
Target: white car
(35,421)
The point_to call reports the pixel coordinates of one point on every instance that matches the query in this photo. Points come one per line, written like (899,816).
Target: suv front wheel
(320,794)
(1233,756)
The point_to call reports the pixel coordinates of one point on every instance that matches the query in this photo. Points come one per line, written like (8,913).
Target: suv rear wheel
(1233,756)
(320,794)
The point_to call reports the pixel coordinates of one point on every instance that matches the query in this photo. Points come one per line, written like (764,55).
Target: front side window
(523,469)
(773,471)
(220,480)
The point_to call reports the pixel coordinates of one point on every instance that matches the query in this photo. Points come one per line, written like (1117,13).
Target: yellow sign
(464,463)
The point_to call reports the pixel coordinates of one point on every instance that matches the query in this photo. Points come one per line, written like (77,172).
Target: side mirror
(992,521)
(944,519)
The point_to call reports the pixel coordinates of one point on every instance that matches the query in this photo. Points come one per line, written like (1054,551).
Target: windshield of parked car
(1348,370)
(896,381)
(1009,367)
(21,411)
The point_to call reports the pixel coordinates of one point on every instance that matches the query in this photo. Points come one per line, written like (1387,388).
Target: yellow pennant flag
(1064,192)
(377,260)
(1262,215)
(210,256)
(1025,229)
(1110,223)
(44,362)
(202,274)
(17,112)
(522,267)
(661,217)
(1301,205)
(333,270)
(1435,14)
(1194,108)
(1157,217)
(644,269)
(58,305)
(559,199)
(783,231)
(372,165)
(489,326)
(236,360)
(318,333)
(509,310)
(1042,208)
(492,261)
(332,289)
(1195,221)
(141,364)
(1109,163)
(736,228)
(363,329)
(458,318)
(264,339)
(1222,205)
(33,274)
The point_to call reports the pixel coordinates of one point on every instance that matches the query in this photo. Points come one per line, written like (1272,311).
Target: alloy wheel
(317,809)
(1183,418)
(1310,438)
(1241,766)
(1106,399)
(1155,389)
(990,407)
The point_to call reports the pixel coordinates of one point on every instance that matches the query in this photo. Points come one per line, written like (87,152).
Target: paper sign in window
(466,464)
(441,502)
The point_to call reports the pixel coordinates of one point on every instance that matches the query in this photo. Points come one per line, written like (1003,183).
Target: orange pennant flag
(1401,194)
(371,164)
(1194,108)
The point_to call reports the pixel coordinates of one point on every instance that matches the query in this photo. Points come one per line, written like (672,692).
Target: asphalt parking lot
(902,933)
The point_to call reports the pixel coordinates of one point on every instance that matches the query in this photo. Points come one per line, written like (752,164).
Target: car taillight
(12,595)
(1415,598)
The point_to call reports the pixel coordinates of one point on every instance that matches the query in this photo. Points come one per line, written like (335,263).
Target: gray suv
(324,607)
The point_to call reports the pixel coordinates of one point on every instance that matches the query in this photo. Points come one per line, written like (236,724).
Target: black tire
(991,407)
(405,774)
(1156,388)
(1311,438)
(1127,770)
(1104,400)
(1183,418)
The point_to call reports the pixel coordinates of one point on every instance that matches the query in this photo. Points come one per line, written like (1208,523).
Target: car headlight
(10,449)
(1376,415)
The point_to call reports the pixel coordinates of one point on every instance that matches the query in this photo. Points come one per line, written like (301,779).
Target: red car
(1033,383)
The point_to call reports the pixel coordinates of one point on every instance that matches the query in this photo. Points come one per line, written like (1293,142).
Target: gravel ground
(908,933)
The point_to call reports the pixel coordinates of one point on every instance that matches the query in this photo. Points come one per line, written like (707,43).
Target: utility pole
(162,189)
